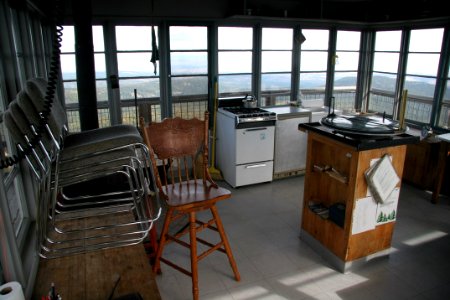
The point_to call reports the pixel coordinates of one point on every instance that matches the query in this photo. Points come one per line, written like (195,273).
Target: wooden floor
(93,275)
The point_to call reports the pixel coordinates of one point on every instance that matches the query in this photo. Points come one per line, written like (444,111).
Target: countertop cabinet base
(343,249)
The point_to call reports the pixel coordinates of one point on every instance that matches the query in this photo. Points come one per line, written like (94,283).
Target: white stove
(245,143)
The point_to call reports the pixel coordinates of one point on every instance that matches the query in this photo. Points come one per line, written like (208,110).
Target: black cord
(52,82)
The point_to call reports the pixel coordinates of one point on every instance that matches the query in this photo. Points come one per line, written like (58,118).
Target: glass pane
(276,82)
(190,108)
(420,86)
(103,117)
(347,61)
(134,37)
(447,92)
(97,37)
(313,81)
(70,92)
(234,38)
(235,62)
(102,90)
(388,40)
(188,38)
(381,102)
(276,61)
(189,63)
(384,82)
(73,120)
(135,64)
(68,39)
(444,117)
(426,40)
(14,205)
(235,84)
(145,88)
(68,66)
(386,62)
(348,40)
(316,39)
(4,147)
(100,66)
(345,79)
(182,86)
(313,61)
(423,64)
(277,38)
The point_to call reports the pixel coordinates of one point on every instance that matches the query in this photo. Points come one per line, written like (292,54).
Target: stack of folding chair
(119,214)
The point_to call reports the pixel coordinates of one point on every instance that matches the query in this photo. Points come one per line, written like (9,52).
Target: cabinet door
(290,145)
(254,144)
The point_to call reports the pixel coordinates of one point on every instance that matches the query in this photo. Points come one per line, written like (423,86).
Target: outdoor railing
(418,109)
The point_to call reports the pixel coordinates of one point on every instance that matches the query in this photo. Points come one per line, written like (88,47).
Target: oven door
(255,144)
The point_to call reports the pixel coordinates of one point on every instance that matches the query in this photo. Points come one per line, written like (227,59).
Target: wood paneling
(321,187)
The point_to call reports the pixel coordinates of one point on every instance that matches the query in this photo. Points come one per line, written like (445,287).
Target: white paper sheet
(387,211)
(364,215)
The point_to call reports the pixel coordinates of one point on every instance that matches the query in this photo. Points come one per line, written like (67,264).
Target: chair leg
(223,236)
(193,244)
(162,241)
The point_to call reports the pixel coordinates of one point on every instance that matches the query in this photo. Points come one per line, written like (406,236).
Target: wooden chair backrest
(181,146)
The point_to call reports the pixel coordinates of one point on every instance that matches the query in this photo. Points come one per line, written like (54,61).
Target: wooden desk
(342,246)
(93,275)
(444,152)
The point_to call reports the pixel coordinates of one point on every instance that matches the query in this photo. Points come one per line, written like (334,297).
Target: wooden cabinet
(346,184)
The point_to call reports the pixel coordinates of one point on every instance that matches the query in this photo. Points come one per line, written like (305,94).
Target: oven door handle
(256,129)
(255,166)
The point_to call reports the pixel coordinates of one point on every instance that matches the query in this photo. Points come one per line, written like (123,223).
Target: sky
(419,63)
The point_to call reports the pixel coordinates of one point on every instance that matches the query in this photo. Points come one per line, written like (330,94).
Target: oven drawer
(254,173)
(254,144)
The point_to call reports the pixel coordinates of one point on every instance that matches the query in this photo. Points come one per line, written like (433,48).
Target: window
(421,71)
(69,76)
(313,67)
(100,77)
(346,63)
(189,70)
(138,77)
(384,75)
(276,66)
(444,116)
(235,60)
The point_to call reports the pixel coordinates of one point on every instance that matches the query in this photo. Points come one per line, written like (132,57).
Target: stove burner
(237,110)
(244,112)
(250,115)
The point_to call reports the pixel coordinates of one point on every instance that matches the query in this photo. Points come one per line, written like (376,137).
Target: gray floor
(262,223)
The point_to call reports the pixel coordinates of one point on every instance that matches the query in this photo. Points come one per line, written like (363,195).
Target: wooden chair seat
(177,144)
(193,193)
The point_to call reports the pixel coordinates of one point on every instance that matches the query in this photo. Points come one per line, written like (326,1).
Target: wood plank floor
(93,275)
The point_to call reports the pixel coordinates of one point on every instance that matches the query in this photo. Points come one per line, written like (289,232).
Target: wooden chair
(175,145)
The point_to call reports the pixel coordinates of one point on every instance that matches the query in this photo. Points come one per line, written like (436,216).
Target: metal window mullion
(403,61)
(165,84)
(295,59)
(256,62)
(329,83)
(442,78)
(18,47)
(366,57)
(109,37)
(10,258)
(213,65)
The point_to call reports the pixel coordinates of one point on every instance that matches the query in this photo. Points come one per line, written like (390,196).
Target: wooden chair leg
(226,244)
(162,241)
(193,244)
